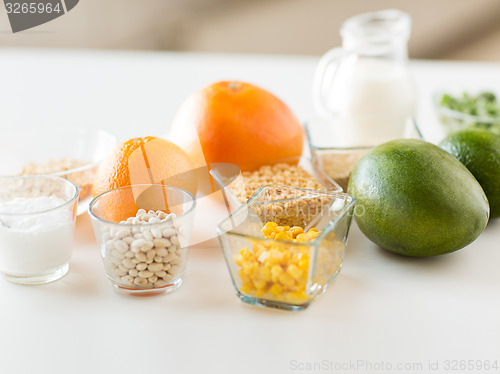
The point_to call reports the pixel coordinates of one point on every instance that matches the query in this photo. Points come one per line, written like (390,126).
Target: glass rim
(324,232)
(51,177)
(74,129)
(64,172)
(95,199)
(397,25)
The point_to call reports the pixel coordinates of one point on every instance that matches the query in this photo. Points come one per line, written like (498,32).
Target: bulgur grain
(283,174)
(296,208)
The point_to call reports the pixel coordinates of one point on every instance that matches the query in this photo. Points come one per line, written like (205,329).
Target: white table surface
(383,309)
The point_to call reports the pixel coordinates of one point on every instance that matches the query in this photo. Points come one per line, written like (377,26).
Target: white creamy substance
(34,244)
(373,99)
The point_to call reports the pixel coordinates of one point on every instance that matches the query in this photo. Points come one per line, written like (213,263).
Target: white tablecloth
(382,312)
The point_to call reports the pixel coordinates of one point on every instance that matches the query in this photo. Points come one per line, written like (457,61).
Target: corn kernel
(294,271)
(286,280)
(303,237)
(287,255)
(259,284)
(243,276)
(269,228)
(276,289)
(276,271)
(246,288)
(263,256)
(303,264)
(249,267)
(275,256)
(245,252)
(271,225)
(314,234)
(282,228)
(265,274)
(296,230)
(282,236)
(238,259)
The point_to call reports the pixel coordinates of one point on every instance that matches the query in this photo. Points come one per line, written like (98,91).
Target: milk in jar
(366,85)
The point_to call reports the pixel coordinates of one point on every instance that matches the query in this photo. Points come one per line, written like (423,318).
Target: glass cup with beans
(143,232)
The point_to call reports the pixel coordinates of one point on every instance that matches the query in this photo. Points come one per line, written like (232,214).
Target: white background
(382,307)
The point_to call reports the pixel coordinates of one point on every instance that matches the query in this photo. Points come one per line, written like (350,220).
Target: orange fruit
(140,161)
(238,123)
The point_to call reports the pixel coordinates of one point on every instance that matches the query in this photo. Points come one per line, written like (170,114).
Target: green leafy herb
(484,106)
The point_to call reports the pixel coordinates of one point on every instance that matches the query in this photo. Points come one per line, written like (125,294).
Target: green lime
(479,151)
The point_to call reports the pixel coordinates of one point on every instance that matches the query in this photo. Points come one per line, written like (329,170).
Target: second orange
(143,161)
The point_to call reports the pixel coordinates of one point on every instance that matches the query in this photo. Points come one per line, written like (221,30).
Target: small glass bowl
(78,150)
(318,261)
(228,178)
(37,222)
(142,256)
(453,120)
(337,158)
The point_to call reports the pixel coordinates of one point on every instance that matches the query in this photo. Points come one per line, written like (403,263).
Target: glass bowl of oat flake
(298,172)
(70,152)
(285,245)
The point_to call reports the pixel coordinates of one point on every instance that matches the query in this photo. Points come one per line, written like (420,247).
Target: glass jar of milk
(366,84)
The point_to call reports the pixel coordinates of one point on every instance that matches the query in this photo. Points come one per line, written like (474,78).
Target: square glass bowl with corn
(285,245)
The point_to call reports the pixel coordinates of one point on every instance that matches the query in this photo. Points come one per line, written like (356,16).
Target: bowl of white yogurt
(37,221)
